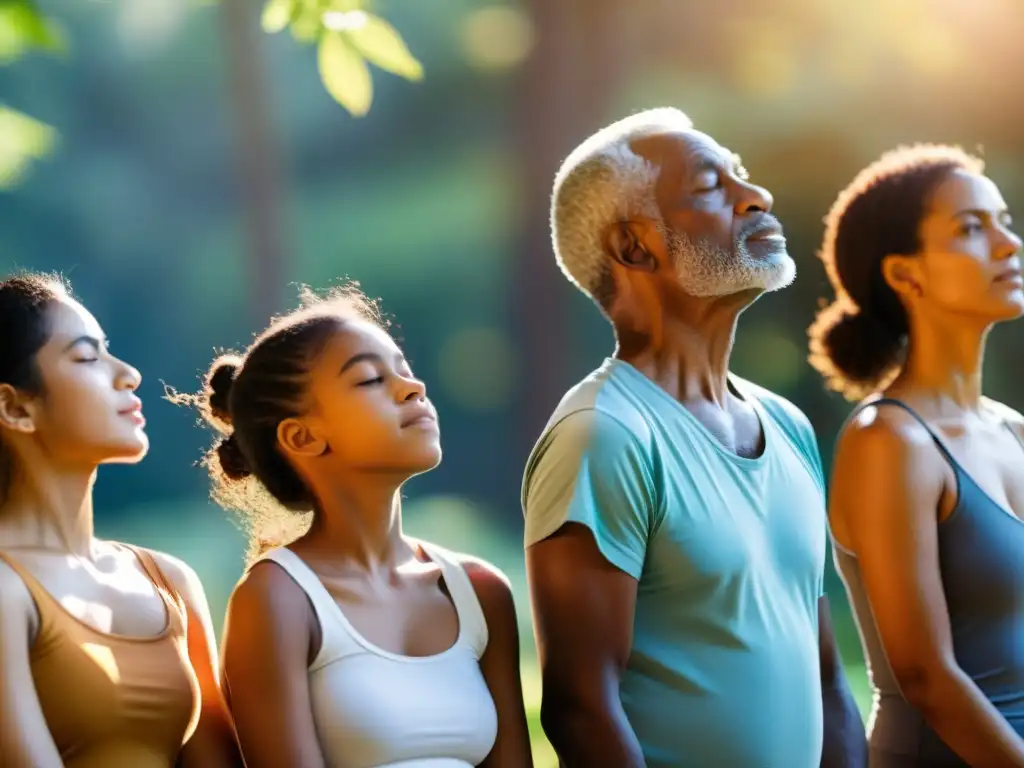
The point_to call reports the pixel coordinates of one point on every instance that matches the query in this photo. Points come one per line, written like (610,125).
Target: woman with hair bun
(351,645)
(107,657)
(927,494)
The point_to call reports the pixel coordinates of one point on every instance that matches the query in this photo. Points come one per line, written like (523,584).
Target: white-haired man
(675,514)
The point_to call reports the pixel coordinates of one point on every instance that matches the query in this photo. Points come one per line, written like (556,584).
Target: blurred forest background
(185,168)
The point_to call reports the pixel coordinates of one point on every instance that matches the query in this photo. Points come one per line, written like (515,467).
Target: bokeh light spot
(932,48)
(146,27)
(496,37)
(766,62)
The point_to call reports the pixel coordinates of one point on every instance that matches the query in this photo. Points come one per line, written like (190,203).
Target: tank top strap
(31,582)
(336,640)
(1006,417)
(164,586)
(467,605)
(1017,437)
(919,419)
(44,601)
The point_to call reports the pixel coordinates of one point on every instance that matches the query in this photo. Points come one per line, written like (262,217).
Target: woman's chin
(129,452)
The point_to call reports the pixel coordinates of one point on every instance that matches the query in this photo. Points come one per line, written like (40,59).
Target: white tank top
(375,709)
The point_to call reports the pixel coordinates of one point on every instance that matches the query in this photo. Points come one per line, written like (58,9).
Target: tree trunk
(258,159)
(566,84)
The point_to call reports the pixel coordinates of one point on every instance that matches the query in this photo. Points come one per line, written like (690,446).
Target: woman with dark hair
(928,479)
(351,645)
(107,658)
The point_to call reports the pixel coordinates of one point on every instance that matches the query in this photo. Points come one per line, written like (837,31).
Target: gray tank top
(981,558)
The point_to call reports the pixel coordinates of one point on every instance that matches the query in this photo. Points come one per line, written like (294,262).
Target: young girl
(354,646)
(107,658)
(928,481)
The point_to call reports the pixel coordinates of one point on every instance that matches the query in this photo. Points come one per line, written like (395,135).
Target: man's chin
(746,274)
(767,277)
(778,274)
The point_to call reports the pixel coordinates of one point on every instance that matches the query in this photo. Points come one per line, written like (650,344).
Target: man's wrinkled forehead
(680,153)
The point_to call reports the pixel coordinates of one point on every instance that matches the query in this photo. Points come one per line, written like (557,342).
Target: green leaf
(380,44)
(276,15)
(23,27)
(345,74)
(22,140)
(307,22)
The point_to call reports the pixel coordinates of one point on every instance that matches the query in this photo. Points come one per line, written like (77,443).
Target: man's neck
(686,353)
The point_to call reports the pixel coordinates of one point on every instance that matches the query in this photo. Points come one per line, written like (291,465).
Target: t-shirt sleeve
(812,452)
(590,469)
(809,441)
(801,433)
(804,440)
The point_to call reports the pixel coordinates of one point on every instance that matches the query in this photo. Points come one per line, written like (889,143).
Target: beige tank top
(112,701)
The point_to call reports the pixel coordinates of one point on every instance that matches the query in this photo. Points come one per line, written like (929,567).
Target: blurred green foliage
(23,28)
(23,139)
(348,39)
(347,36)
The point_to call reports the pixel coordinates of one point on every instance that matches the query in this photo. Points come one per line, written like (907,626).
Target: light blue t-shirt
(729,554)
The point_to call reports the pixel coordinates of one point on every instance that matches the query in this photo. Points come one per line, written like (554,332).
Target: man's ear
(624,245)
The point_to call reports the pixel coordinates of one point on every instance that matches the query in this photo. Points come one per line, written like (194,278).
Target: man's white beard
(707,271)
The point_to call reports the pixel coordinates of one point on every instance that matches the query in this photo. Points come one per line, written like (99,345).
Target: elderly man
(675,513)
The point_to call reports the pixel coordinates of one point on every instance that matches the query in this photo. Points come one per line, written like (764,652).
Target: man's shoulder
(592,465)
(598,407)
